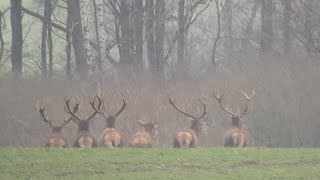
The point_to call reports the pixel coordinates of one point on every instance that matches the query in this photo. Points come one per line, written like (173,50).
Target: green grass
(220,163)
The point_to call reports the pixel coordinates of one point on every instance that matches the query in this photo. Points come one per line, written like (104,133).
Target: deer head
(83,124)
(54,128)
(111,119)
(149,127)
(236,118)
(197,124)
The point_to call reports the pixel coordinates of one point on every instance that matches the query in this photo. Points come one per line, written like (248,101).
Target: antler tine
(219,99)
(248,98)
(75,109)
(171,102)
(41,110)
(204,109)
(96,109)
(68,110)
(124,103)
(246,95)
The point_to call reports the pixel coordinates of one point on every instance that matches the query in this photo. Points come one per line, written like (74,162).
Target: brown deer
(236,135)
(189,137)
(57,139)
(146,137)
(111,137)
(84,139)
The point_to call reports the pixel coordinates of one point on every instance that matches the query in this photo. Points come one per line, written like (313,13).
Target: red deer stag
(57,139)
(235,136)
(189,137)
(84,139)
(111,137)
(144,138)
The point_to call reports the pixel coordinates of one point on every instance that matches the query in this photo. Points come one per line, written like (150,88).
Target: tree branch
(38,16)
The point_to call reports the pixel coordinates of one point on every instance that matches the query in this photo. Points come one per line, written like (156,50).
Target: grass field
(219,163)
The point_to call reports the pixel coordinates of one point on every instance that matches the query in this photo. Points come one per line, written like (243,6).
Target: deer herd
(235,136)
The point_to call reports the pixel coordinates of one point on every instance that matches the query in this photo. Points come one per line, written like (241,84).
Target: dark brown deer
(146,137)
(56,139)
(111,137)
(236,135)
(84,139)
(189,137)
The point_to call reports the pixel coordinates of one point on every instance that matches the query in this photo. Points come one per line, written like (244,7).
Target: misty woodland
(159,73)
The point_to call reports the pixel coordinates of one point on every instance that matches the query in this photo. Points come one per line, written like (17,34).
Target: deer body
(111,137)
(144,138)
(189,137)
(56,139)
(235,136)
(186,139)
(84,139)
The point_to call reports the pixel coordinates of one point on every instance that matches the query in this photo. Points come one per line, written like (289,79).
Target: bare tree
(159,35)
(44,37)
(248,30)
(125,39)
(138,32)
(181,32)
(267,27)
(150,33)
(77,37)
(286,26)
(16,45)
(228,28)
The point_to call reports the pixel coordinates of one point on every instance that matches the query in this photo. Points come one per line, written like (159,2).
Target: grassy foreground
(218,163)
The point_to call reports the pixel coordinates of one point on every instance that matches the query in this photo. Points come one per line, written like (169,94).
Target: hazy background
(194,48)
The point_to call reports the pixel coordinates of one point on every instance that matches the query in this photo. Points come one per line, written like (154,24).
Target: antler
(124,103)
(246,95)
(72,113)
(193,117)
(219,99)
(42,115)
(96,109)
(248,98)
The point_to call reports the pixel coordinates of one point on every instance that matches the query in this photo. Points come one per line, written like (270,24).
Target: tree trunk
(267,27)
(150,33)
(68,46)
(16,45)
(228,46)
(99,26)
(159,32)
(125,39)
(44,70)
(309,44)
(181,33)
(78,38)
(46,39)
(138,32)
(49,40)
(286,27)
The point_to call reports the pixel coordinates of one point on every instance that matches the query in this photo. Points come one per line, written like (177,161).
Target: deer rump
(235,137)
(141,140)
(185,139)
(110,138)
(56,141)
(85,139)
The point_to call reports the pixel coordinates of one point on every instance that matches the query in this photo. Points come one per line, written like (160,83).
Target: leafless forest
(152,50)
